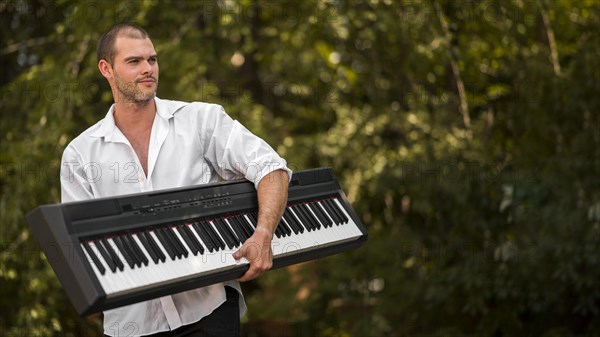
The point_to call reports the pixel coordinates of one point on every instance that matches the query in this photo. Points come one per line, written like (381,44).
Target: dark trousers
(222,322)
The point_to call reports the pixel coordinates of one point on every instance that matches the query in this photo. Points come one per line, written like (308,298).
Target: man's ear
(105,68)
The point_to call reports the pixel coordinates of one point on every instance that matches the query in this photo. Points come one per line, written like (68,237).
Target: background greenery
(465,133)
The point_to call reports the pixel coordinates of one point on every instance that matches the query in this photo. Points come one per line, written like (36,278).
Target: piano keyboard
(150,257)
(112,252)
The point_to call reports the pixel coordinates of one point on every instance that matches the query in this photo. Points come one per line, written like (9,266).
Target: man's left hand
(257,250)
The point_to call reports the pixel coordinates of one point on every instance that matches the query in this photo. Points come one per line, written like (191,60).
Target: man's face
(135,70)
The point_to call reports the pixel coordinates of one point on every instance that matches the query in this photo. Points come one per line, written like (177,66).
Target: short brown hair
(105,50)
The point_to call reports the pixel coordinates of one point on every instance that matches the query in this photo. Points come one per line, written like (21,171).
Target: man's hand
(257,250)
(272,197)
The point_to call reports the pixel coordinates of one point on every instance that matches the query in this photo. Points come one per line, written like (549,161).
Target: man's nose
(146,67)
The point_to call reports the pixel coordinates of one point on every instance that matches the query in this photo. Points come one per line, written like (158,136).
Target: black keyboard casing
(59,229)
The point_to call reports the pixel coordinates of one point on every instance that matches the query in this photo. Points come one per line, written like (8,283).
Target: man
(144,144)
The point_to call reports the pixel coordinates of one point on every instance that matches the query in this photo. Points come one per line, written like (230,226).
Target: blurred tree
(465,133)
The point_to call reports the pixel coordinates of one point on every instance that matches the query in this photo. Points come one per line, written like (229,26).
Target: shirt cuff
(271,167)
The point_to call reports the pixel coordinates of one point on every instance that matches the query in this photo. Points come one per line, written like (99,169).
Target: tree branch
(460,86)
(27,43)
(75,65)
(550,35)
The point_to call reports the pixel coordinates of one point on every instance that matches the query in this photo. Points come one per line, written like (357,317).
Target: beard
(129,92)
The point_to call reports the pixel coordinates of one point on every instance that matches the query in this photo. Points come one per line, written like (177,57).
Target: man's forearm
(272,199)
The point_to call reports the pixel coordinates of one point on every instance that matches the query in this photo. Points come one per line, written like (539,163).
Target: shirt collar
(108,128)
(163,109)
(107,125)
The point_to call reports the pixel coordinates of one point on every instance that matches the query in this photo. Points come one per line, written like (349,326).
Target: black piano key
(131,261)
(139,259)
(243,231)
(193,238)
(291,219)
(308,214)
(165,233)
(331,212)
(291,226)
(233,236)
(284,228)
(233,228)
(334,210)
(302,218)
(107,258)
(215,233)
(136,249)
(187,239)
(154,245)
(166,244)
(183,251)
(191,245)
(244,225)
(247,224)
(319,213)
(230,241)
(113,255)
(278,231)
(311,216)
(253,218)
(136,258)
(340,213)
(208,227)
(155,257)
(94,258)
(237,229)
(181,241)
(110,248)
(206,239)
(181,246)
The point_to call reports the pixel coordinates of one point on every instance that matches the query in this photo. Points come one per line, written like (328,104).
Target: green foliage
(465,133)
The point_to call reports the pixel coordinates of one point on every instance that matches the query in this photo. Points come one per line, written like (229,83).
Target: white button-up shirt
(190,144)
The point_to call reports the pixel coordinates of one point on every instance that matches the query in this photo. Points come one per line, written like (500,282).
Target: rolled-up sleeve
(236,152)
